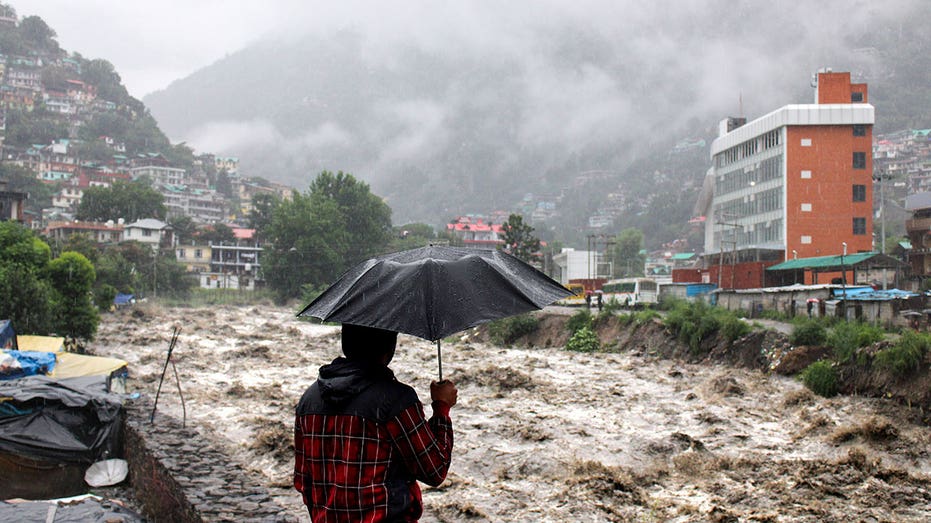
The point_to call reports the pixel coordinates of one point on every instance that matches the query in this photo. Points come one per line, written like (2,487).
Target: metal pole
(882,221)
(439,358)
(843,279)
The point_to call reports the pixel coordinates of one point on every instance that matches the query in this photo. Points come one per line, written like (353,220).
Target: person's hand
(444,391)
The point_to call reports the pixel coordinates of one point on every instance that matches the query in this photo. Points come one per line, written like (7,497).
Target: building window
(806,142)
(806,207)
(856,98)
(859,160)
(859,130)
(806,240)
(198,253)
(181,254)
(147,232)
(859,226)
(806,174)
(859,193)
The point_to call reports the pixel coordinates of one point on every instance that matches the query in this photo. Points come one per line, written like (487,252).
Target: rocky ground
(543,434)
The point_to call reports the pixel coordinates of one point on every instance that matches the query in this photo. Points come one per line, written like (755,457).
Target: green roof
(683,256)
(822,262)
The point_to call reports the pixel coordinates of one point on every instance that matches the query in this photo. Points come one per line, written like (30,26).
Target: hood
(345,379)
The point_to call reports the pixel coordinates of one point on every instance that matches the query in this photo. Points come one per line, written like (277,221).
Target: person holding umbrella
(361,439)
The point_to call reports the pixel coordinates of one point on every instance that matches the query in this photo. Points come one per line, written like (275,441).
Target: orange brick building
(796,182)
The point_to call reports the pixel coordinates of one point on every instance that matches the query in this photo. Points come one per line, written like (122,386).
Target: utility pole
(882,219)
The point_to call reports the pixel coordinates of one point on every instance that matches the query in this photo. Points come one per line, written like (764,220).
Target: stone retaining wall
(177,475)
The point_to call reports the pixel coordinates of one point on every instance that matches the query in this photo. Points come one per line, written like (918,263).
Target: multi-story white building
(160,175)
(796,182)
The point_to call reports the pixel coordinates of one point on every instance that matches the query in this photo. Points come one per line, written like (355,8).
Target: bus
(578,295)
(631,292)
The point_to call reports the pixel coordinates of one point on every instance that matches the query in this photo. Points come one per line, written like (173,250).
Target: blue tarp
(7,335)
(870,294)
(26,363)
(123,299)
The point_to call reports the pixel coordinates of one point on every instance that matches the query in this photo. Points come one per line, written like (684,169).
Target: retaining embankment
(178,475)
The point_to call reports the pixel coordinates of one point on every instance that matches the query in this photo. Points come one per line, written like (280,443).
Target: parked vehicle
(631,292)
(577,298)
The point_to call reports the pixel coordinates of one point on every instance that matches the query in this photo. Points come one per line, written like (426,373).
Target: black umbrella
(432,292)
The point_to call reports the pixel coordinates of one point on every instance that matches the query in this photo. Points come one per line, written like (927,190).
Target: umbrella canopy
(106,473)
(435,291)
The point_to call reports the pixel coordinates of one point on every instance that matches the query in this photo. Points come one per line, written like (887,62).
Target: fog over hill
(466,107)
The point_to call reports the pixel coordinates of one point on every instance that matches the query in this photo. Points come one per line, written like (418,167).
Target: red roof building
(474,231)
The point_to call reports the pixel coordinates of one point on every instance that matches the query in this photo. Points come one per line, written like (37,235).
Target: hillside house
(149,231)
(476,232)
(102,233)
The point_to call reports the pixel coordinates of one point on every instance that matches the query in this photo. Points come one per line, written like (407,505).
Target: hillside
(444,127)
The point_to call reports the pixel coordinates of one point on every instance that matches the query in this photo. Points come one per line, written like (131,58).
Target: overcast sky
(154,42)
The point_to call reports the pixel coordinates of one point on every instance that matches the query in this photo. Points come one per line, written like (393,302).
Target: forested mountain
(574,114)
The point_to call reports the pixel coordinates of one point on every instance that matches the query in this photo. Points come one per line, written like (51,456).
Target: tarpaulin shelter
(122,300)
(71,365)
(51,430)
(52,427)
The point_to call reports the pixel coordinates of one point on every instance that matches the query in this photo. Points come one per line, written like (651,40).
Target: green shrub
(506,331)
(581,319)
(868,334)
(821,378)
(845,338)
(104,295)
(584,340)
(808,332)
(611,306)
(906,355)
(644,316)
(692,322)
(733,328)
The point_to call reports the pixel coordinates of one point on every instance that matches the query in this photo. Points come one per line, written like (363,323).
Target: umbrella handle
(439,358)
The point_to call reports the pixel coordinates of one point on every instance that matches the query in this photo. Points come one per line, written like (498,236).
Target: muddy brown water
(550,435)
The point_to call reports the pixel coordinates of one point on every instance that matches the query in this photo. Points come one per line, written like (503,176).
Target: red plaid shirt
(348,467)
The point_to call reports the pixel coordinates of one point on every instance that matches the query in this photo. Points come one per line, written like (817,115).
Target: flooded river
(550,435)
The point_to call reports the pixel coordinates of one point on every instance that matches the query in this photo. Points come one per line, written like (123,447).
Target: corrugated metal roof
(683,256)
(822,262)
(919,200)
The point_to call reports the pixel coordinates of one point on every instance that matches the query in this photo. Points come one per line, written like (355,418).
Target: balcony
(918,224)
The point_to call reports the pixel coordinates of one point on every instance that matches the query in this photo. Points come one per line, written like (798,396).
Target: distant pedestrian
(600,301)
(810,307)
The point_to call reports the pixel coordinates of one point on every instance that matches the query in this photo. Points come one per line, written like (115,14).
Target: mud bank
(543,434)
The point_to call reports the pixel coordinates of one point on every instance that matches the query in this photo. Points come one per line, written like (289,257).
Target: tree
(184,229)
(519,239)
(628,261)
(20,179)
(367,217)
(26,292)
(37,34)
(82,243)
(128,200)
(317,235)
(308,241)
(224,186)
(218,234)
(411,236)
(263,210)
(73,276)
